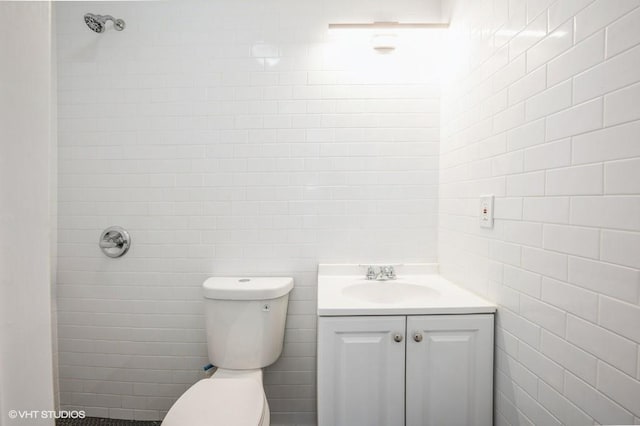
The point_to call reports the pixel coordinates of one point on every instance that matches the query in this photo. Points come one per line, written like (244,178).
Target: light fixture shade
(385,37)
(384,43)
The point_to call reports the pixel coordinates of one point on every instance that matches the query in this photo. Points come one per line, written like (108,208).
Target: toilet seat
(228,398)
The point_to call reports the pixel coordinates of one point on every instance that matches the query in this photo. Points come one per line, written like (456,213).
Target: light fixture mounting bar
(389,25)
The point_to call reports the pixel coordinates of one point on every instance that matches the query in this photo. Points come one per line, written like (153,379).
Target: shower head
(97,23)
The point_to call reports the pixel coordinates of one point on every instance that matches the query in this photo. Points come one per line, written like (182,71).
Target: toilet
(245,320)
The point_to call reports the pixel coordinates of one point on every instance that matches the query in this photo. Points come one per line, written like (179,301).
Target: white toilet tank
(245,318)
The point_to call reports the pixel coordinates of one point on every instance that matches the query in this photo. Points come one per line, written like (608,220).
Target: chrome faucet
(385,273)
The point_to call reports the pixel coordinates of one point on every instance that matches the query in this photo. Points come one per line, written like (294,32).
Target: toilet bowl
(229,398)
(245,319)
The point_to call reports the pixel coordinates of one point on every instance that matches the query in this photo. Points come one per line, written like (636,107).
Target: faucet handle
(391,272)
(371,273)
(387,272)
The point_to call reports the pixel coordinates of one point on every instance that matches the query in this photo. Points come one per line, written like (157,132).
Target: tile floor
(97,421)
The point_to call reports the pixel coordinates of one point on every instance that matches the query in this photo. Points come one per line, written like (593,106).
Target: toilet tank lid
(246,288)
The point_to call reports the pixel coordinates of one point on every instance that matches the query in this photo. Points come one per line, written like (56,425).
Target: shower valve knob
(115,241)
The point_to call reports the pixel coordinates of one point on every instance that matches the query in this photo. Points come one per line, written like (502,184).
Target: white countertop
(436,296)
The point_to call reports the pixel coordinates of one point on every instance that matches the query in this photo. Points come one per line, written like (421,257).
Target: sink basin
(389,292)
(343,290)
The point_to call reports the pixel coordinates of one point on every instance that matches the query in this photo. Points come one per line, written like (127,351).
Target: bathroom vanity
(414,349)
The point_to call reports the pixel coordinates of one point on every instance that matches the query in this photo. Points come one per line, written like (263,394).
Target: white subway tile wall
(563,260)
(229,138)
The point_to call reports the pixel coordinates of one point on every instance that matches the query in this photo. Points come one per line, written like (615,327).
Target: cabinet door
(360,371)
(450,370)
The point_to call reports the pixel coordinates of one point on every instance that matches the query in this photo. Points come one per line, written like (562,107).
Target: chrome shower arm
(118,24)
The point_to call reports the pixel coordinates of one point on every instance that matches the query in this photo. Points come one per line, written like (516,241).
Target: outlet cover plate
(486,211)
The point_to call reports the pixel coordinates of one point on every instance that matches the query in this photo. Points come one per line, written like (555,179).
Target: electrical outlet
(486,211)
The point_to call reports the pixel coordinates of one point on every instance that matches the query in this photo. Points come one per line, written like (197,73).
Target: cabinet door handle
(417,336)
(397,337)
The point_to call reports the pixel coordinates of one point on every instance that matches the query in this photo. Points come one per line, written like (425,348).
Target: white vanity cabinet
(405,370)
